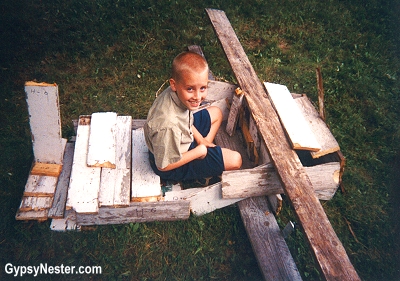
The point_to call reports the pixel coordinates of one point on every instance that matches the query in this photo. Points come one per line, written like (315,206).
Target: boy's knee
(215,112)
(238,160)
(233,160)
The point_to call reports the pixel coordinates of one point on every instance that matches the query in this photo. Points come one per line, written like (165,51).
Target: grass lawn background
(114,55)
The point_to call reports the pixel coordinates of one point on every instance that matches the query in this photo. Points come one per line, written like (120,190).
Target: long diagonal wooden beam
(326,246)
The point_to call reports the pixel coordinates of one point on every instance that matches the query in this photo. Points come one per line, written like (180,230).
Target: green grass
(114,55)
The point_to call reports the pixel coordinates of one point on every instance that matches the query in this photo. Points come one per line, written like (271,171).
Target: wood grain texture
(60,196)
(325,245)
(318,126)
(138,212)
(273,255)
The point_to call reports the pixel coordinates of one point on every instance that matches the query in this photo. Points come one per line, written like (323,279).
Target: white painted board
(101,150)
(115,183)
(84,184)
(45,122)
(145,183)
(294,123)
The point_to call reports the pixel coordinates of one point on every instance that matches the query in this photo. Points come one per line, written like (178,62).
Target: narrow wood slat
(85,181)
(101,150)
(60,196)
(45,122)
(318,126)
(115,183)
(234,113)
(40,186)
(138,212)
(273,255)
(299,132)
(44,169)
(145,183)
(32,215)
(325,245)
(33,203)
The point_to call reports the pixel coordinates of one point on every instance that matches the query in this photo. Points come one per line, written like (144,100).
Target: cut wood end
(322,152)
(41,84)
(239,91)
(84,120)
(147,199)
(107,164)
(297,146)
(45,169)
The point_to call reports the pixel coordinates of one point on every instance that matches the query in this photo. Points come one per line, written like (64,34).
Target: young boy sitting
(180,142)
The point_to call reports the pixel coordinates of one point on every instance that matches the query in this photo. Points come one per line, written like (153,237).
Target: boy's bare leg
(216,120)
(232,159)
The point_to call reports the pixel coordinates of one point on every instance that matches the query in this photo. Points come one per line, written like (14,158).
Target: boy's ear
(172,84)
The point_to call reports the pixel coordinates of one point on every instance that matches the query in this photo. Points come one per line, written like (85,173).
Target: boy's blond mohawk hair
(187,61)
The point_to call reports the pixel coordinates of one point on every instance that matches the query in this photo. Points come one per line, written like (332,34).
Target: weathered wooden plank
(85,181)
(138,212)
(60,195)
(40,186)
(325,245)
(234,112)
(101,149)
(32,215)
(269,246)
(299,132)
(45,122)
(209,199)
(197,49)
(145,183)
(68,222)
(318,126)
(115,184)
(33,203)
(264,180)
(44,169)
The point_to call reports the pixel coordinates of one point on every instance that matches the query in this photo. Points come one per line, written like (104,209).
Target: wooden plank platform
(329,251)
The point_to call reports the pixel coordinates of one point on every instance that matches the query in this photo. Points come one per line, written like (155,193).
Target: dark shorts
(211,165)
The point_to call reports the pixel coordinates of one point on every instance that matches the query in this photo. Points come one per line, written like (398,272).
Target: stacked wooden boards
(48,150)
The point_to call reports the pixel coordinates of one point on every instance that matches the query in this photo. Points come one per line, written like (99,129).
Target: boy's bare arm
(200,139)
(199,152)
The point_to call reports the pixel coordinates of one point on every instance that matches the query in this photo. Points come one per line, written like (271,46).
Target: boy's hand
(205,142)
(200,139)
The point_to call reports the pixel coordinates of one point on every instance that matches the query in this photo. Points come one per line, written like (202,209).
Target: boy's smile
(191,88)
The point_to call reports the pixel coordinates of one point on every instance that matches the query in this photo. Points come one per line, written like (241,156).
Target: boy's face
(191,88)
